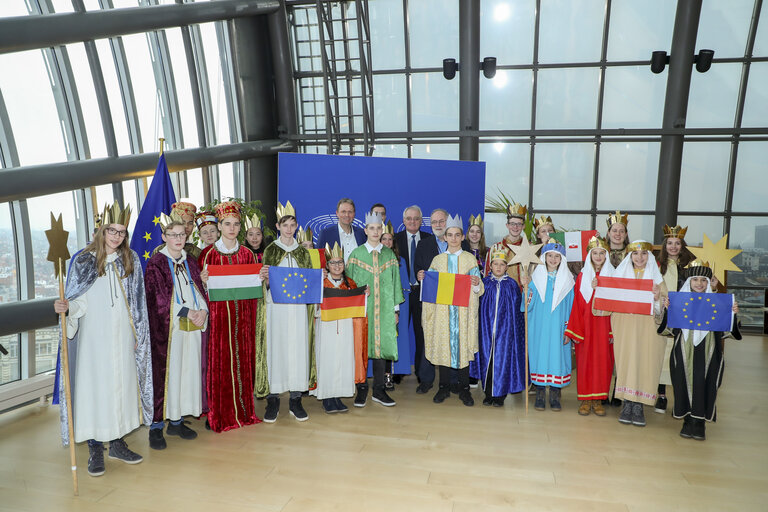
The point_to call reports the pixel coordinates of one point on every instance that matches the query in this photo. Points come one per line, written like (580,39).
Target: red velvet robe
(231,351)
(360,327)
(594,351)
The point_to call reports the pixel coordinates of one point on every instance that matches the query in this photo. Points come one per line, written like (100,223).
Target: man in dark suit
(343,233)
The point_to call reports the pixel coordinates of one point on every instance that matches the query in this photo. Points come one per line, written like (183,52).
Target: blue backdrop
(315,183)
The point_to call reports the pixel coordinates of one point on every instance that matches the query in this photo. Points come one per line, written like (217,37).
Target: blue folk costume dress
(548,313)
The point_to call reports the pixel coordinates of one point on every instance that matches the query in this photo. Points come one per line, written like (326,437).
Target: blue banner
(296,285)
(700,311)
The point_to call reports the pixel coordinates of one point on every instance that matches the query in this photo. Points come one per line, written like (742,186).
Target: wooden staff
(524,272)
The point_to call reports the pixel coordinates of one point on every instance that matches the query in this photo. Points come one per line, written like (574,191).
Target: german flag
(339,304)
(446,288)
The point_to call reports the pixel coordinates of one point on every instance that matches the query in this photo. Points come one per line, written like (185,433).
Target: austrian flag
(624,295)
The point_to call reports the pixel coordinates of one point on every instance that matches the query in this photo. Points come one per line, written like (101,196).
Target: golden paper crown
(675,232)
(388,229)
(639,246)
(544,219)
(498,252)
(698,268)
(254,221)
(301,235)
(516,210)
(475,221)
(337,253)
(617,218)
(227,209)
(115,215)
(203,218)
(184,208)
(282,211)
(165,220)
(596,241)
(697,263)
(97,220)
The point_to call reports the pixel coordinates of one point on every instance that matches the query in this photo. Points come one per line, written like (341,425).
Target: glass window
(639,28)
(756,100)
(751,304)
(391,150)
(387,40)
(724,26)
(495,227)
(145,90)
(129,199)
(8,278)
(567,98)
(436,151)
(698,226)
(434,32)
(195,186)
(507,168)
(227,180)
(389,103)
(62,6)
(750,234)
(640,227)
(16,8)
(712,100)
(28,96)
(505,100)
(627,176)
(183,87)
(89,105)
(435,102)
(46,284)
(750,193)
(114,95)
(46,348)
(704,163)
(104,196)
(568,221)
(10,365)
(563,176)
(634,97)
(761,38)
(507,30)
(571,31)
(211,53)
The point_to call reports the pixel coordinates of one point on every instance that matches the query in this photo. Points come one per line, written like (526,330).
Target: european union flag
(296,285)
(160,197)
(700,311)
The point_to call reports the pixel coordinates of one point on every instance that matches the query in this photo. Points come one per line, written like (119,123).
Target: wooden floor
(419,456)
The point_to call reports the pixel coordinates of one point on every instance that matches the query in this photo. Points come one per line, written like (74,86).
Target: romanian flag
(624,295)
(575,243)
(317,256)
(700,311)
(234,282)
(296,285)
(446,288)
(339,304)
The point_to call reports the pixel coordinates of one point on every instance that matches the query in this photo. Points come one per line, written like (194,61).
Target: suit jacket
(401,239)
(331,234)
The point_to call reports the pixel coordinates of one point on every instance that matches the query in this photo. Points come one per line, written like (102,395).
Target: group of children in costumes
(189,356)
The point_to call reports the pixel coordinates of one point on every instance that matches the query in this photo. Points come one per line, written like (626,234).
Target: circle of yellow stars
(688,302)
(302,292)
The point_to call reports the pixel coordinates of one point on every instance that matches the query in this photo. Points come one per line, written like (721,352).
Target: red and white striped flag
(624,295)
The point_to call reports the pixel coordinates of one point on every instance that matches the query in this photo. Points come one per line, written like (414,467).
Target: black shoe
(362,395)
(273,407)
(615,402)
(381,396)
(489,400)
(554,399)
(473,383)
(329,405)
(442,393)
(423,388)
(455,388)
(687,430)
(698,428)
(388,384)
(625,416)
(498,401)
(207,424)
(96,459)
(181,430)
(638,418)
(661,404)
(397,378)
(119,450)
(466,397)
(156,439)
(296,409)
(340,405)
(541,395)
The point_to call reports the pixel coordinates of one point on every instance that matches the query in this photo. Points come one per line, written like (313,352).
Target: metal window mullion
(408,76)
(600,98)
(224,34)
(534,86)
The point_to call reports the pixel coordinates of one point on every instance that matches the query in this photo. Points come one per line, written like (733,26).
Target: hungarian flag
(317,256)
(624,295)
(234,282)
(446,288)
(575,243)
(339,304)
(296,285)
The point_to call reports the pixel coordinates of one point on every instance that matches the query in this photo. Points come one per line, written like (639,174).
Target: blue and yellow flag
(296,285)
(700,311)
(160,197)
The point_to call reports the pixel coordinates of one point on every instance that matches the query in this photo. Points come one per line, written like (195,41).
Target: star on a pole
(58,252)
(147,237)
(718,256)
(525,254)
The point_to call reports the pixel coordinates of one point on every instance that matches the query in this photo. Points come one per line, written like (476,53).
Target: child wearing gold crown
(617,236)
(500,362)
(696,365)
(516,216)
(254,237)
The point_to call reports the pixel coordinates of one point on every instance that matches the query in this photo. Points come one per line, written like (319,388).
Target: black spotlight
(659,60)
(704,60)
(489,67)
(449,68)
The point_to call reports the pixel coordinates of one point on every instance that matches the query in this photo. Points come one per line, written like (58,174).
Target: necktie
(412,257)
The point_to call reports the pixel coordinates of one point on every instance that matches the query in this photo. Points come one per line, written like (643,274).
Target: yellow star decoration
(718,256)
(146,255)
(156,221)
(147,237)
(525,253)
(57,239)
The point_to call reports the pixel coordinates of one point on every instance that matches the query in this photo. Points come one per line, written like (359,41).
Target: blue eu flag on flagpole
(700,311)
(160,198)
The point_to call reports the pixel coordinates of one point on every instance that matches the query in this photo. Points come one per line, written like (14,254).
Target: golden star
(156,221)
(58,252)
(525,254)
(718,256)
(147,237)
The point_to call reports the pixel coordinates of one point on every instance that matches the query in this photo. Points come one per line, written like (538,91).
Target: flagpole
(65,374)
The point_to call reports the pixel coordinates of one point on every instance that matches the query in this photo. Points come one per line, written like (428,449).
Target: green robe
(273,255)
(386,292)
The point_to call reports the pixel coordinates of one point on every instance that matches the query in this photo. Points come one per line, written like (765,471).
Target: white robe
(335,357)
(106,387)
(287,339)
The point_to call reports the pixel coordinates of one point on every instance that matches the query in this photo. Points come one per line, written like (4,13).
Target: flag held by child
(700,311)
(446,288)
(339,304)
(234,282)
(296,285)
(575,243)
(624,295)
